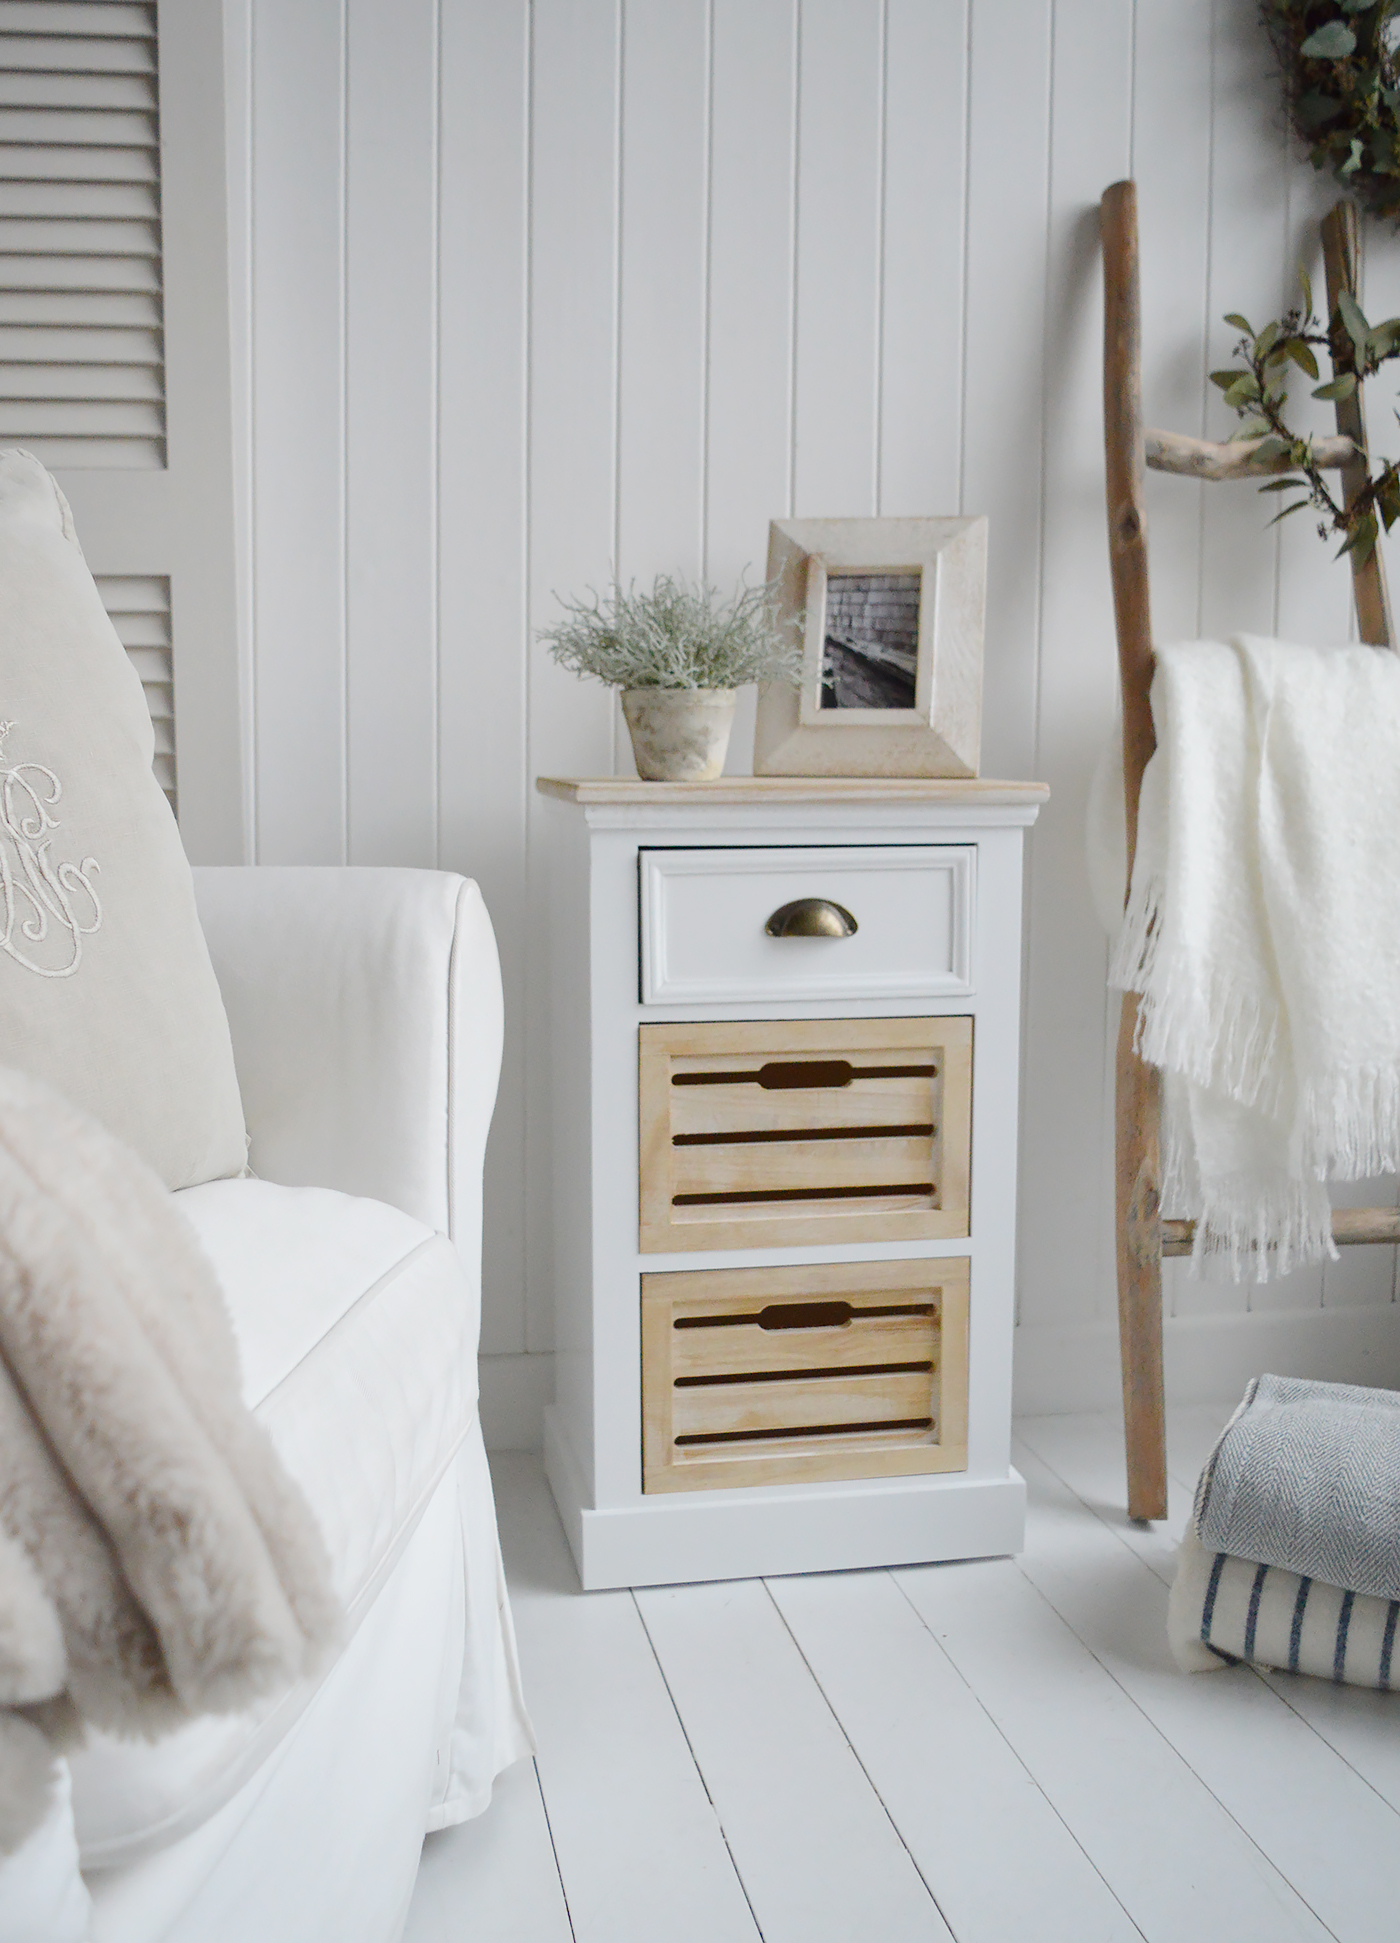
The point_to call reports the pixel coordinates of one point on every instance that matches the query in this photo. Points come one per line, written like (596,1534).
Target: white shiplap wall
(532,292)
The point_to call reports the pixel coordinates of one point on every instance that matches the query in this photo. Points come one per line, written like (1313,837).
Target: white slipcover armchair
(365,1009)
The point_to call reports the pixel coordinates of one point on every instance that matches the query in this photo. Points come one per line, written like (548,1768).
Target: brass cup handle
(812,917)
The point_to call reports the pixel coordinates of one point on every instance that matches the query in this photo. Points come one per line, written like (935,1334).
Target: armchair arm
(366,1014)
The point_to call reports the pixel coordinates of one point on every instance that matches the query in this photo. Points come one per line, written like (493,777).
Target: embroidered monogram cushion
(106,989)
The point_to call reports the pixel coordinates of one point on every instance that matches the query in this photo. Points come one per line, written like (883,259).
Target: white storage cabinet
(784,1172)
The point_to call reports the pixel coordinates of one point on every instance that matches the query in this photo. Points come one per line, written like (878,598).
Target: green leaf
(1355,158)
(1315,109)
(1266,340)
(1353,320)
(1341,387)
(1240,323)
(1243,390)
(1289,484)
(1272,447)
(1330,43)
(1296,507)
(1306,281)
(1301,355)
(1226,378)
(1249,428)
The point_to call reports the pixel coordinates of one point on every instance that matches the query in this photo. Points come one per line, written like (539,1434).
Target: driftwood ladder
(1143,1236)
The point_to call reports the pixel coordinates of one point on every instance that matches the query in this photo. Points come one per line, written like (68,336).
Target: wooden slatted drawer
(759,1135)
(780,1375)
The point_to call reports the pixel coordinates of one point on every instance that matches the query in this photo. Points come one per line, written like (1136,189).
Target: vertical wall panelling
(1065,1222)
(481,541)
(661,328)
(839,166)
(1239,577)
(925,155)
(298,429)
(572,446)
(748,424)
(550,288)
(1008,151)
(391,431)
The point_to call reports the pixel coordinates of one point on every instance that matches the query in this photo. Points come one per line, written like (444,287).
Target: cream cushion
(106,989)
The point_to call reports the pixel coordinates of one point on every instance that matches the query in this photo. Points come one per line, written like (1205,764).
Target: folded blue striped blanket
(1292,1558)
(1223,1610)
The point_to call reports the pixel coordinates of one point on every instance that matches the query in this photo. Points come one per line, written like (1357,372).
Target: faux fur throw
(1263,935)
(155,1560)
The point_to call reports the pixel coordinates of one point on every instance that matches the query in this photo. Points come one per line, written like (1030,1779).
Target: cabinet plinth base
(758,1532)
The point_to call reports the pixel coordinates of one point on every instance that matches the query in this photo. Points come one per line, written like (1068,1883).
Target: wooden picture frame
(896,690)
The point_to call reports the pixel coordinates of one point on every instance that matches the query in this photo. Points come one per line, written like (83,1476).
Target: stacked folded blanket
(1262,934)
(156,1562)
(1292,1557)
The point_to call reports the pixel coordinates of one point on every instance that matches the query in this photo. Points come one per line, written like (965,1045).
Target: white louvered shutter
(114,347)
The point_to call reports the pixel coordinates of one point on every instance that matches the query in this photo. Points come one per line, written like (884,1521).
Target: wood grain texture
(1136,1165)
(1339,255)
(1210,459)
(795,789)
(1351,1228)
(676,1402)
(927,1175)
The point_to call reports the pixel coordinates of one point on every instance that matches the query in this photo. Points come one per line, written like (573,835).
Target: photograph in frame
(889,613)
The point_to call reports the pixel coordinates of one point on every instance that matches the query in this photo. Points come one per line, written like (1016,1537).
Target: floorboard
(1295,1797)
(1359,1724)
(983,1752)
(641,1852)
(819,1857)
(952,1784)
(504,1861)
(1176,1861)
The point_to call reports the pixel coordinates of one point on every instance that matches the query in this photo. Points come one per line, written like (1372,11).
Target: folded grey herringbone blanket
(1306,1477)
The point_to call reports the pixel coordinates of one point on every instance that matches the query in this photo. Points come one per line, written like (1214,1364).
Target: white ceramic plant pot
(679,735)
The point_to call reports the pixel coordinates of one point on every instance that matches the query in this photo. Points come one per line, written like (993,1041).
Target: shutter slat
(49,127)
(81,381)
(78,54)
(77,201)
(64,273)
(33,344)
(102,17)
(132,92)
(39,236)
(139,608)
(52,162)
(22,418)
(109,453)
(105,309)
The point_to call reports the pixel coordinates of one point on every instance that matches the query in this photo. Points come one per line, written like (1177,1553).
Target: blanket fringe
(1212,1033)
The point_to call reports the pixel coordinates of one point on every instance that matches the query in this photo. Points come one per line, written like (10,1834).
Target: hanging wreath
(1341,80)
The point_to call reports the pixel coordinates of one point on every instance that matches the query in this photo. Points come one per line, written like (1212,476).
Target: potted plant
(678,654)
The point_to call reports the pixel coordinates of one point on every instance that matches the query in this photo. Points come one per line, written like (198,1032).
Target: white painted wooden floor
(1000,1752)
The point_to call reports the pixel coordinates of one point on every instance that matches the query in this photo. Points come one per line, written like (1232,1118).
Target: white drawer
(704,912)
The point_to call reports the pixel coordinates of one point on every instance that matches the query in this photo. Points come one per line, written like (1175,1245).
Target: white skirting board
(767,1531)
(1209,1359)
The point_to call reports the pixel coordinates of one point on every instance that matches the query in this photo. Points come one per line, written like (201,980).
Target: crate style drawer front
(779,1375)
(785,1133)
(704,914)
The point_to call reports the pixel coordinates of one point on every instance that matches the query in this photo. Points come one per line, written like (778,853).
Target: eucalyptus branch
(1258,393)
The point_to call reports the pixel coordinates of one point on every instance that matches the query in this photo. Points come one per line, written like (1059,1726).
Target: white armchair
(365,1010)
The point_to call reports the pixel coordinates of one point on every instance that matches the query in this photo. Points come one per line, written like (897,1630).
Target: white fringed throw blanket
(1263,935)
(155,1560)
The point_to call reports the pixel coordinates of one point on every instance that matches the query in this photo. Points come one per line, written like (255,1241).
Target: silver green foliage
(680,635)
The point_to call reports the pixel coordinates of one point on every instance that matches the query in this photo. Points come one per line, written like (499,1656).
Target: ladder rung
(1350,1226)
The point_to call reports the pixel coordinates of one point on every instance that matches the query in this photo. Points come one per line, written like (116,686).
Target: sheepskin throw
(155,1560)
(1263,936)
(106,989)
